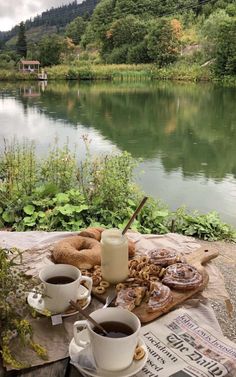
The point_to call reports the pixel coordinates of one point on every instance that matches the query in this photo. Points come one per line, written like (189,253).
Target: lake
(185,133)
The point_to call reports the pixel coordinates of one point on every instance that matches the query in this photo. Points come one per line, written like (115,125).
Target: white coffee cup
(57,296)
(111,354)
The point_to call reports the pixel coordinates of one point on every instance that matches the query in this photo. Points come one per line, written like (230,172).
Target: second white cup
(61,282)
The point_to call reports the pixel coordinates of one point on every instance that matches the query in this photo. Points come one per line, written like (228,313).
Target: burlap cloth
(56,339)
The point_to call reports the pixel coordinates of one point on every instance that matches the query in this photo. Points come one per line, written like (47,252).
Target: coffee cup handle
(88,286)
(78,328)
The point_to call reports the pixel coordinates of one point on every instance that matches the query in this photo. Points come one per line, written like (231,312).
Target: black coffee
(114,329)
(60,280)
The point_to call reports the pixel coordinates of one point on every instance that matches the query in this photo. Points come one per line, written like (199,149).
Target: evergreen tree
(21,45)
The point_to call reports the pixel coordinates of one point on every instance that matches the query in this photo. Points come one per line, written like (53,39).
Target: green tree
(76,29)
(138,54)
(88,36)
(6,60)
(116,42)
(21,44)
(32,51)
(162,42)
(210,31)
(128,26)
(225,63)
(50,49)
(102,18)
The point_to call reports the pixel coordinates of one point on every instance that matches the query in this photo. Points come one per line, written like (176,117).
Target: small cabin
(29,65)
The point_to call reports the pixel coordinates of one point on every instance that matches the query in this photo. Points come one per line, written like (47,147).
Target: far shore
(121,72)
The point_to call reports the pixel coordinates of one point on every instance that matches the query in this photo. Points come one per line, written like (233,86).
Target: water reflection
(191,126)
(183,132)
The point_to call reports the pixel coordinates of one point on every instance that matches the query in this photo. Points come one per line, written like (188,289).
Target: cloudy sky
(13,12)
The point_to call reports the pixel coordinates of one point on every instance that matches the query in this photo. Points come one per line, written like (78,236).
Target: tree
(32,51)
(225,63)
(163,42)
(210,31)
(50,49)
(128,26)
(76,29)
(119,47)
(102,18)
(21,44)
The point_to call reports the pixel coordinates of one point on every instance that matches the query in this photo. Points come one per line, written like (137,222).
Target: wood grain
(197,259)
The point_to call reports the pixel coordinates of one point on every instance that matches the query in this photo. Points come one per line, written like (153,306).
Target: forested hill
(58,17)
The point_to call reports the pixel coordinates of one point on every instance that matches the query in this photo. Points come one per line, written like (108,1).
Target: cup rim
(61,265)
(89,325)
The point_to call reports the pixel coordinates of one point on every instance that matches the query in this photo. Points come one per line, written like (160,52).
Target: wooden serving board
(197,259)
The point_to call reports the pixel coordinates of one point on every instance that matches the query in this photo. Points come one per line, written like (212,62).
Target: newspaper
(179,346)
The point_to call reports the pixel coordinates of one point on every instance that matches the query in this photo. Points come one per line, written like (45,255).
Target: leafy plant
(14,287)
(59,167)
(64,196)
(208,227)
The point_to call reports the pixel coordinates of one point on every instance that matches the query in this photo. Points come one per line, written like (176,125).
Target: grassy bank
(55,193)
(87,71)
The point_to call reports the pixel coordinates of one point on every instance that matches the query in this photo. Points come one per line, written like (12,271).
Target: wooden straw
(138,209)
(77,307)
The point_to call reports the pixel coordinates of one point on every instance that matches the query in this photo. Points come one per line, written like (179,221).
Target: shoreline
(123,72)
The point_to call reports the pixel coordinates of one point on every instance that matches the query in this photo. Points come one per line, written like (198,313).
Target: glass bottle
(114,256)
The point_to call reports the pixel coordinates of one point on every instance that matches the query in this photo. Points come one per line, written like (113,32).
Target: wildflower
(13,306)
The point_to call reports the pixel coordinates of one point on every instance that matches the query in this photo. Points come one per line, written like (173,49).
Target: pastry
(182,276)
(160,297)
(164,257)
(130,297)
(81,252)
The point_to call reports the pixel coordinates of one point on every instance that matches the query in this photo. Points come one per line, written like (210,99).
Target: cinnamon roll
(164,257)
(129,298)
(160,297)
(182,276)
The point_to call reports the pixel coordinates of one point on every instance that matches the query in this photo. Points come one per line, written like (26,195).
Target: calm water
(184,133)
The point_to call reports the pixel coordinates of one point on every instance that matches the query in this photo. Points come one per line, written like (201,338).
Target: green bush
(225,63)
(118,55)
(138,54)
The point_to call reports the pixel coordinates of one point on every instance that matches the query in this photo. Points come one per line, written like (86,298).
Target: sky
(12,12)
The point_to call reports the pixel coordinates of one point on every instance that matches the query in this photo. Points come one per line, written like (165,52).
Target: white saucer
(134,368)
(36,301)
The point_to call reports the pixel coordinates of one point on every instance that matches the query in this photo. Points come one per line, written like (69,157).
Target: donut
(182,276)
(81,252)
